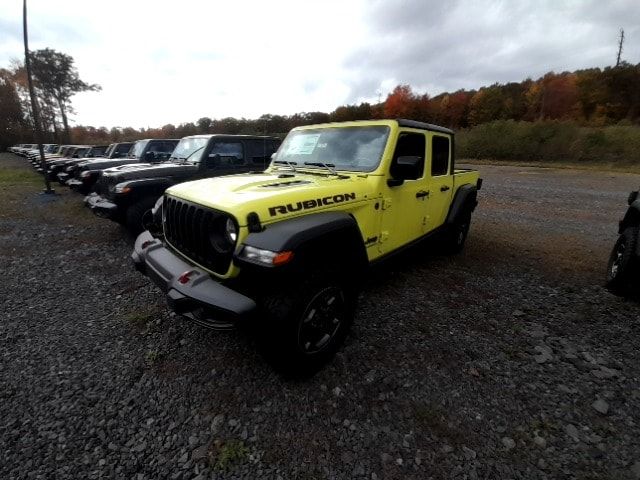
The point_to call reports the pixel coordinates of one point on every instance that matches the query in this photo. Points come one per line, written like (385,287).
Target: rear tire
(457,233)
(303,325)
(134,218)
(622,268)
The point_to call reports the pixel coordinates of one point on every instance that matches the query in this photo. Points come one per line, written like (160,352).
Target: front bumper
(77,185)
(100,206)
(201,298)
(63,177)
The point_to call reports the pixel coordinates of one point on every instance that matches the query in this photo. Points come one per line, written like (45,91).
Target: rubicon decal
(313,203)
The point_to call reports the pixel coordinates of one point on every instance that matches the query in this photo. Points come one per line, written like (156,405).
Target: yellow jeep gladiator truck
(286,250)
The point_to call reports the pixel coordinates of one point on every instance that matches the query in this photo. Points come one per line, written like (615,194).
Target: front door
(404,211)
(226,157)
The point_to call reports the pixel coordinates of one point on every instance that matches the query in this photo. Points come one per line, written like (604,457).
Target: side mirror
(405,168)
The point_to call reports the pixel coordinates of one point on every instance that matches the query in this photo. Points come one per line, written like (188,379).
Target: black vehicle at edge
(81,176)
(623,268)
(127,194)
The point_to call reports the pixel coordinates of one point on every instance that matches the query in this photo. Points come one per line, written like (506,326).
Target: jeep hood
(103,164)
(274,196)
(133,171)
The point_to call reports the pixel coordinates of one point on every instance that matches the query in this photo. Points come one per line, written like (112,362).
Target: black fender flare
(466,197)
(316,238)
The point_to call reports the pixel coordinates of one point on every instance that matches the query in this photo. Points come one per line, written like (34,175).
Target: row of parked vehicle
(285,245)
(123,181)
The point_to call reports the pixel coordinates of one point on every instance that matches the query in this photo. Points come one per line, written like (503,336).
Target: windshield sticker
(302,144)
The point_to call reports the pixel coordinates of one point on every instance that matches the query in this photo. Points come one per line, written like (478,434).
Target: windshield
(188,146)
(346,148)
(137,149)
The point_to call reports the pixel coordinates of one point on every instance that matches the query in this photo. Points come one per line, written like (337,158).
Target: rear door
(439,153)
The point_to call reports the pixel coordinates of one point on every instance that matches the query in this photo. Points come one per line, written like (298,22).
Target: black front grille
(198,233)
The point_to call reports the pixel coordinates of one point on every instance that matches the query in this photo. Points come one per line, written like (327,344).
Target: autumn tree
(403,103)
(451,110)
(622,84)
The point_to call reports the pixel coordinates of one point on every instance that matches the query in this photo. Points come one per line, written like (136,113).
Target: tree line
(592,97)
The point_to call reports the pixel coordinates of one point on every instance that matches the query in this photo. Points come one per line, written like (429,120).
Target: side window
(410,145)
(259,151)
(439,156)
(230,153)
(123,149)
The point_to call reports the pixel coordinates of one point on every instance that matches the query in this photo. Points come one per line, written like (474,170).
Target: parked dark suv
(81,176)
(126,194)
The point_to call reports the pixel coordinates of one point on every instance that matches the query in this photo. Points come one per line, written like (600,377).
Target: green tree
(204,124)
(11,113)
(58,78)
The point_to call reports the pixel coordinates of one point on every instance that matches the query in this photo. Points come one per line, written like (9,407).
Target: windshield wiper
(184,159)
(328,166)
(291,165)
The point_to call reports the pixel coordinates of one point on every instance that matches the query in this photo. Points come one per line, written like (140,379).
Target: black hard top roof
(211,135)
(423,126)
(155,140)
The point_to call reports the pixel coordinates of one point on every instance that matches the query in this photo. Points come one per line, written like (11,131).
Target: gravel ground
(507,361)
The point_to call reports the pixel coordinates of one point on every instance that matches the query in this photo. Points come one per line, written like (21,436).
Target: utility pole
(37,126)
(620,42)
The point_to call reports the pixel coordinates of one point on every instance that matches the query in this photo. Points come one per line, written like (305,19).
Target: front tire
(302,327)
(622,268)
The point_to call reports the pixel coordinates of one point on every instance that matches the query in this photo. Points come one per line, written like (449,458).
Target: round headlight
(232,233)
(223,234)
(122,188)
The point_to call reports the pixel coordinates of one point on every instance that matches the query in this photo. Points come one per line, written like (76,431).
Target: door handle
(422,194)
(444,188)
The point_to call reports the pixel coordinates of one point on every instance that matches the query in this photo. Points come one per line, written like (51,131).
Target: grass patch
(19,176)
(223,455)
(141,317)
(152,356)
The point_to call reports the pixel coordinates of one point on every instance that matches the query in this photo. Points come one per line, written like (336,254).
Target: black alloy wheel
(321,320)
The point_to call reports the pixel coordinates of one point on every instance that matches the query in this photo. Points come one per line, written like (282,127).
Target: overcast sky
(162,64)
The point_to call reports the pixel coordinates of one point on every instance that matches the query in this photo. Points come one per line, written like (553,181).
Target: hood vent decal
(286,184)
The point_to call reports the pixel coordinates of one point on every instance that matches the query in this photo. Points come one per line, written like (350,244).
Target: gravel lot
(507,361)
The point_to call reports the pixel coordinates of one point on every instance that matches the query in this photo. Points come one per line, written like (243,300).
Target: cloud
(161,65)
(445,46)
